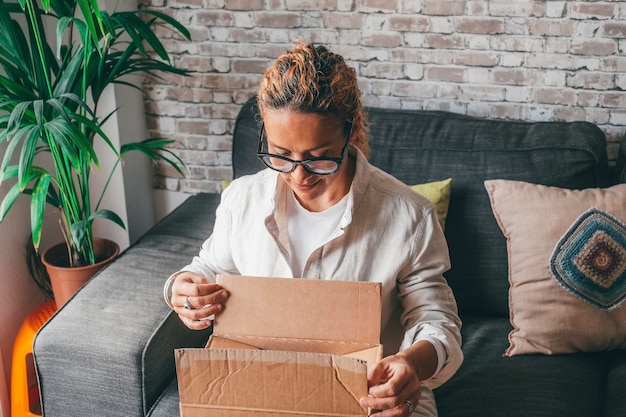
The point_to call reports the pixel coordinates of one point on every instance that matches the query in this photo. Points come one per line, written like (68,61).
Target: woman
(321,211)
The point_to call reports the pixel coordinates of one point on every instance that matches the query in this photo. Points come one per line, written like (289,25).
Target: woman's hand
(394,382)
(196,300)
(394,388)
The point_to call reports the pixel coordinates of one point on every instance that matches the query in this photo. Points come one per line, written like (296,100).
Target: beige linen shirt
(388,234)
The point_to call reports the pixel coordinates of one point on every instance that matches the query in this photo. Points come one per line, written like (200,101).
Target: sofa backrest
(421,146)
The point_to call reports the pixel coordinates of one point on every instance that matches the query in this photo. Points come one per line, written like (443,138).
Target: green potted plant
(50,89)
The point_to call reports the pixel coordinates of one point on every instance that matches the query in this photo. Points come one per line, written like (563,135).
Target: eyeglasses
(317,166)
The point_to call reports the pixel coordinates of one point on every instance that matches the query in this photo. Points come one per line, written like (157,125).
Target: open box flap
(369,354)
(217,342)
(345,312)
(241,382)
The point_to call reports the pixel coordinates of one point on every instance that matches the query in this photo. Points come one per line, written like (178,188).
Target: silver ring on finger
(410,405)
(187,304)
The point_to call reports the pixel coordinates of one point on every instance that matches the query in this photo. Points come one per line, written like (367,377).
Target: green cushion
(438,192)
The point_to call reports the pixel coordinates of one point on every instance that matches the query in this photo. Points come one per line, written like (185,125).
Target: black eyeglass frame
(262,155)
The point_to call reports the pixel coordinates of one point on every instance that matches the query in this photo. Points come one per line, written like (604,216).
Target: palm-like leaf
(155,148)
(43,103)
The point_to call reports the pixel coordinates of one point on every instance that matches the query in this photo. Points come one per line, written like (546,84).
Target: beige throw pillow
(567,266)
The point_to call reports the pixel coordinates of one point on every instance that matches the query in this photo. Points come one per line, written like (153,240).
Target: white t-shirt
(309,230)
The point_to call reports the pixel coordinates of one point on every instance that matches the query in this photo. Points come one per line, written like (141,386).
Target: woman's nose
(300,172)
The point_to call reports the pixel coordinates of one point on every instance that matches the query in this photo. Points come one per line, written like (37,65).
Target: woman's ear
(359,135)
(356,128)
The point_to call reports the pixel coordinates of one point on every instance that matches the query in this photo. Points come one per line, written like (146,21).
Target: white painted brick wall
(521,59)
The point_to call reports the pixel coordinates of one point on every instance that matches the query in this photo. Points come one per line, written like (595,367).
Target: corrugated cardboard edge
(370,355)
(233,382)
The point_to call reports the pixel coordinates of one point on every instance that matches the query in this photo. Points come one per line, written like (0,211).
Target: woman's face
(301,136)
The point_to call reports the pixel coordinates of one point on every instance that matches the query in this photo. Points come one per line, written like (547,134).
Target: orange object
(25,400)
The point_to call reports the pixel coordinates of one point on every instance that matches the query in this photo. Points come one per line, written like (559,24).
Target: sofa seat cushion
(615,403)
(168,404)
(488,384)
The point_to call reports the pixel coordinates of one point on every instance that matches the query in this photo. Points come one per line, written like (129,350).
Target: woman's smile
(305,186)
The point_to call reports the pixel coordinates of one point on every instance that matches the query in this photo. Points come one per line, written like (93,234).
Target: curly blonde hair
(311,79)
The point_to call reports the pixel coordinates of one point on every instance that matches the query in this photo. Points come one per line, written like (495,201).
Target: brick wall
(511,59)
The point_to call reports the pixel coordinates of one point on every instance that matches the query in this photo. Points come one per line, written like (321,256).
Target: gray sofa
(109,351)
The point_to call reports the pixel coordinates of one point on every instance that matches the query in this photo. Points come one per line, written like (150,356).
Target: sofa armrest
(110,349)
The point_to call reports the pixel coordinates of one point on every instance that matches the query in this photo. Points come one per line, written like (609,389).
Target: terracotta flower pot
(66,281)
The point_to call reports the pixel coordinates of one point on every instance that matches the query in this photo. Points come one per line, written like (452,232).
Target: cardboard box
(284,347)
